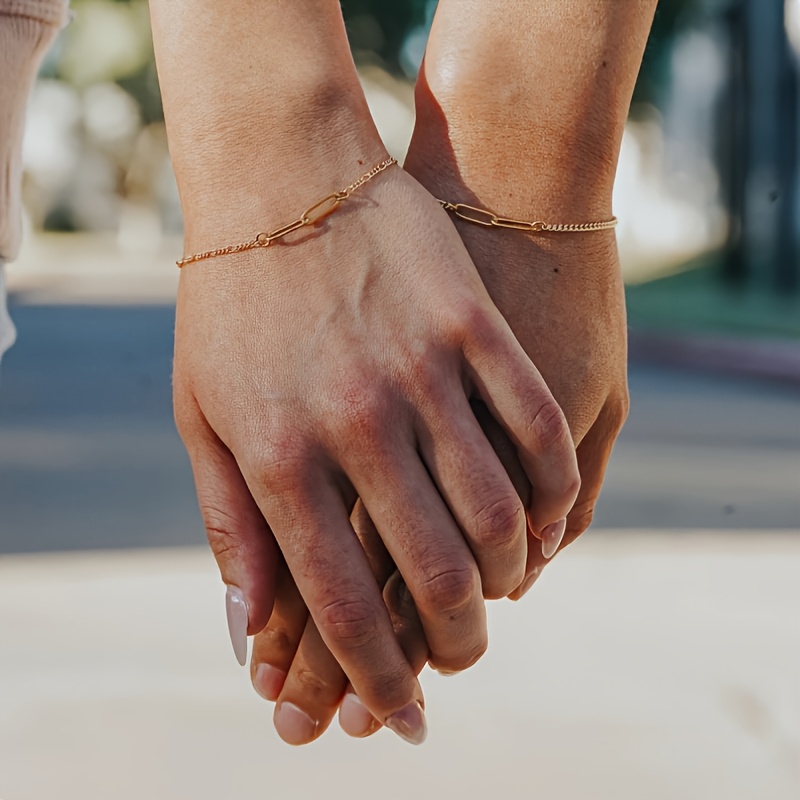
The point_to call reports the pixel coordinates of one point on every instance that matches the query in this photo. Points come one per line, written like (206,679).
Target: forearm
(263,106)
(534,97)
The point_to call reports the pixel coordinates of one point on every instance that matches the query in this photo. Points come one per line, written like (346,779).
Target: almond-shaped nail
(552,536)
(236,608)
(354,718)
(409,724)
(269,681)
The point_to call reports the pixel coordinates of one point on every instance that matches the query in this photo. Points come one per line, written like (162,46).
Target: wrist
(263,107)
(259,167)
(505,151)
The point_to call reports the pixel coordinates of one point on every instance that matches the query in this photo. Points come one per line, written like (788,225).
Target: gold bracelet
(480,216)
(311,216)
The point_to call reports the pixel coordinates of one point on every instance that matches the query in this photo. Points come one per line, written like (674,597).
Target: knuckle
(274,642)
(312,685)
(449,590)
(461,662)
(222,529)
(498,524)
(390,690)
(360,412)
(549,428)
(425,373)
(352,621)
(471,321)
(184,412)
(619,407)
(280,465)
(579,519)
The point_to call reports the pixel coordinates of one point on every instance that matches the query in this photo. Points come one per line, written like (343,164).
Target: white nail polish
(552,537)
(236,608)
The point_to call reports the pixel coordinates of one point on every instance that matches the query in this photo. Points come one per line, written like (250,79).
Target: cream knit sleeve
(27,29)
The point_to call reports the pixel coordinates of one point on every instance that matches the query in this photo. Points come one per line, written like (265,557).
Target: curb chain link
(482,216)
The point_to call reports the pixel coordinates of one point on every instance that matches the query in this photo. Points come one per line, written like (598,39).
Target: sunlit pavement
(652,660)
(639,667)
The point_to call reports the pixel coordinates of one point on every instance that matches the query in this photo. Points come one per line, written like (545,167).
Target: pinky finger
(354,718)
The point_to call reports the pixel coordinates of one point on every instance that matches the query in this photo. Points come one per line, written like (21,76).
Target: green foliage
(381,26)
(671,17)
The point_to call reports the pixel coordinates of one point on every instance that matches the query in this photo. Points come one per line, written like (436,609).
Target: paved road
(89,457)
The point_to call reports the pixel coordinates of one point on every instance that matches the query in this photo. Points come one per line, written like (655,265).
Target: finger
(312,692)
(380,561)
(519,399)
(478,491)
(333,576)
(431,554)
(593,453)
(242,543)
(354,718)
(275,647)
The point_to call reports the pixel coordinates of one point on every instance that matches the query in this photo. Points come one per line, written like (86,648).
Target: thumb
(246,551)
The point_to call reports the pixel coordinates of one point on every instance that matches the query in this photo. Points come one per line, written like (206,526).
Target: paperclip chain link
(311,216)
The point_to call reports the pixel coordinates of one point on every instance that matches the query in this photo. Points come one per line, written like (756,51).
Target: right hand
(341,365)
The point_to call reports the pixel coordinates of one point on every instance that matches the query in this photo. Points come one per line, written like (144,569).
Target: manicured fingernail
(236,607)
(294,726)
(552,536)
(269,681)
(409,724)
(528,582)
(354,718)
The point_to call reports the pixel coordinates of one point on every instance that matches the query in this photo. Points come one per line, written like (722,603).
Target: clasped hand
(342,365)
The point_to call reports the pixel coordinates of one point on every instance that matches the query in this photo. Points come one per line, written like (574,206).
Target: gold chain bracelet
(311,216)
(481,216)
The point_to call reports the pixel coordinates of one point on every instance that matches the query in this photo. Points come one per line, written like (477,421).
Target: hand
(342,364)
(562,296)
(341,361)
(563,299)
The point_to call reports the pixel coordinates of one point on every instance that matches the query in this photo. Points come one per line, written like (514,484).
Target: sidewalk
(640,668)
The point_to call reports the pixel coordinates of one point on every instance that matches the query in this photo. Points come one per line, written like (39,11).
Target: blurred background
(685,600)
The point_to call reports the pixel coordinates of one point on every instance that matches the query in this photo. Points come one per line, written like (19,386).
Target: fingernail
(269,681)
(445,673)
(294,726)
(527,584)
(236,607)
(552,536)
(354,719)
(409,724)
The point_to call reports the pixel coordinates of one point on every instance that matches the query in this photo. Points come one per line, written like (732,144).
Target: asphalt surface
(89,457)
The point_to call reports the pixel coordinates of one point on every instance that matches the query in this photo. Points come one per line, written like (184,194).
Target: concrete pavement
(655,667)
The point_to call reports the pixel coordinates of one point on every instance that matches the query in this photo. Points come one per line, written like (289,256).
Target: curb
(769,359)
